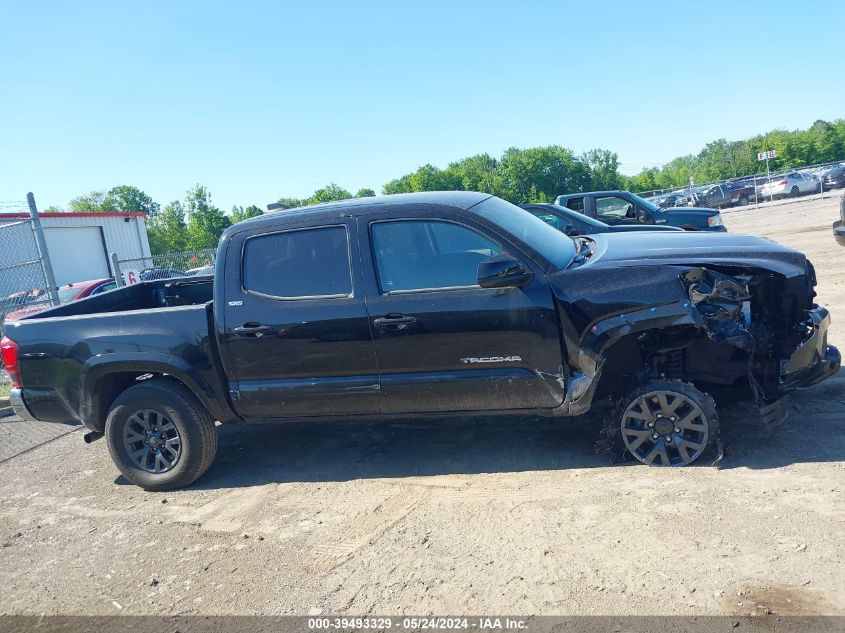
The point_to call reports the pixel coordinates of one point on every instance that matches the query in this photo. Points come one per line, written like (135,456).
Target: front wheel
(159,436)
(666,423)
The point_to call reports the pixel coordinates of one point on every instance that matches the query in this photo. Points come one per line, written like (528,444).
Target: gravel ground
(456,516)
(5,384)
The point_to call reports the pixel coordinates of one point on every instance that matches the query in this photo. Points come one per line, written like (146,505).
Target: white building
(79,244)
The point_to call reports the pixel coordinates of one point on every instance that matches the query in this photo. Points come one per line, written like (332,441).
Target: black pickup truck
(624,207)
(427,304)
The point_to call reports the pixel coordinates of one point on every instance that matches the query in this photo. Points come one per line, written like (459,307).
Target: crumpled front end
(729,326)
(771,317)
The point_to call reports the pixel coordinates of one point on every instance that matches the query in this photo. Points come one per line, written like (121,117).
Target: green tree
(292,203)
(604,169)
(426,178)
(126,198)
(329,193)
(89,203)
(365,193)
(206,222)
(240,213)
(475,173)
(167,230)
(120,199)
(541,173)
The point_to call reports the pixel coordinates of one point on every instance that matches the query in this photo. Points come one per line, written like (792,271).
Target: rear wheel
(743,201)
(794,191)
(666,423)
(160,436)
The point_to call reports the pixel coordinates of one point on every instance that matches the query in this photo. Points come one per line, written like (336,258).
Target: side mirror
(503,271)
(571,230)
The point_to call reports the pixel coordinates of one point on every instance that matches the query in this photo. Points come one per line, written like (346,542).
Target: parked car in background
(839,225)
(624,207)
(23,297)
(741,192)
(711,196)
(201,270)
(833,177)
(67,293)
(668,200)
(573,223)
(161,272)
(789,185)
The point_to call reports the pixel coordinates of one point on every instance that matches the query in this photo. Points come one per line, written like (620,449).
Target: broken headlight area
(724,303)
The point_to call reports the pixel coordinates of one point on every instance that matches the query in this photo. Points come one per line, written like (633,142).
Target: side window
(298,263)
(549,218)
(576,204)
(427,254)
(613,208)
(105,288)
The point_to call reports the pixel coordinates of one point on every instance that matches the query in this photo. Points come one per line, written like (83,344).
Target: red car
(70,292)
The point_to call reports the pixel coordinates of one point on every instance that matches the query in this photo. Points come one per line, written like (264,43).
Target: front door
(443,342)
(296,336)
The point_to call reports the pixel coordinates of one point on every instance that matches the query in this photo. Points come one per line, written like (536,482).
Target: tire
(181,443)
(743,201)
(794,191)
(647,411)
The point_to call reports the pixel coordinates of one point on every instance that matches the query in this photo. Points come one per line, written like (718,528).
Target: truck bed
(156,327)
(162,293)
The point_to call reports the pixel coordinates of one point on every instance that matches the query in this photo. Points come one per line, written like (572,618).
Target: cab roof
(372,204)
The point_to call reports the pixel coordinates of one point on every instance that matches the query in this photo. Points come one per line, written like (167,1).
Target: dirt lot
(454,516)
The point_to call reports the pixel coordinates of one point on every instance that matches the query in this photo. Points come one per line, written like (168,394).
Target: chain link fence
(23,282)
(754,188)
(164,266)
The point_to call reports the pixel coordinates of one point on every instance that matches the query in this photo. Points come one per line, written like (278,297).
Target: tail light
(783,182)
(9,350)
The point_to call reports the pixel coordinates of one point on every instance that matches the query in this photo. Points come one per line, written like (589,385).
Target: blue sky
(258,100)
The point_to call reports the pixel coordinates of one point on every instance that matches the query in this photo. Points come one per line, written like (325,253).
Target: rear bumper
(19,406)
(719,228)
(813,360)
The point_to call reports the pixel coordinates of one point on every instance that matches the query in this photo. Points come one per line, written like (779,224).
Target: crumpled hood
(694,248)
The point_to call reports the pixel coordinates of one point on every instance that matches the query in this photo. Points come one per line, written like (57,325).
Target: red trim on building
(130,214)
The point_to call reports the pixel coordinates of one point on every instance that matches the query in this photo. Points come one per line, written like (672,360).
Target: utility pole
(38,232)
(769,179)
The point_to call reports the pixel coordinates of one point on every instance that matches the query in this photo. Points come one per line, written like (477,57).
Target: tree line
(535,174)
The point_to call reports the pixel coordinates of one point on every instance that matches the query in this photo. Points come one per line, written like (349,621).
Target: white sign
(131,277)
(764,155)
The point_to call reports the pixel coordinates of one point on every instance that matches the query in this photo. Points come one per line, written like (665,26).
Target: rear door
(443,342)
(296,338)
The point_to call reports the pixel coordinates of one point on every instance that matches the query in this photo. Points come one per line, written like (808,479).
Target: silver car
(792,184)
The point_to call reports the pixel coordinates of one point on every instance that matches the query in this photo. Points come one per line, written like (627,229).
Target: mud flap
(774,414)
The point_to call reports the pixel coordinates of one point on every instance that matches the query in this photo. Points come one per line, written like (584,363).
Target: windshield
(645,203)
(547,241)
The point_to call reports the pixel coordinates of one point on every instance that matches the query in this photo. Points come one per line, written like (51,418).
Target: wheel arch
(104,379)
